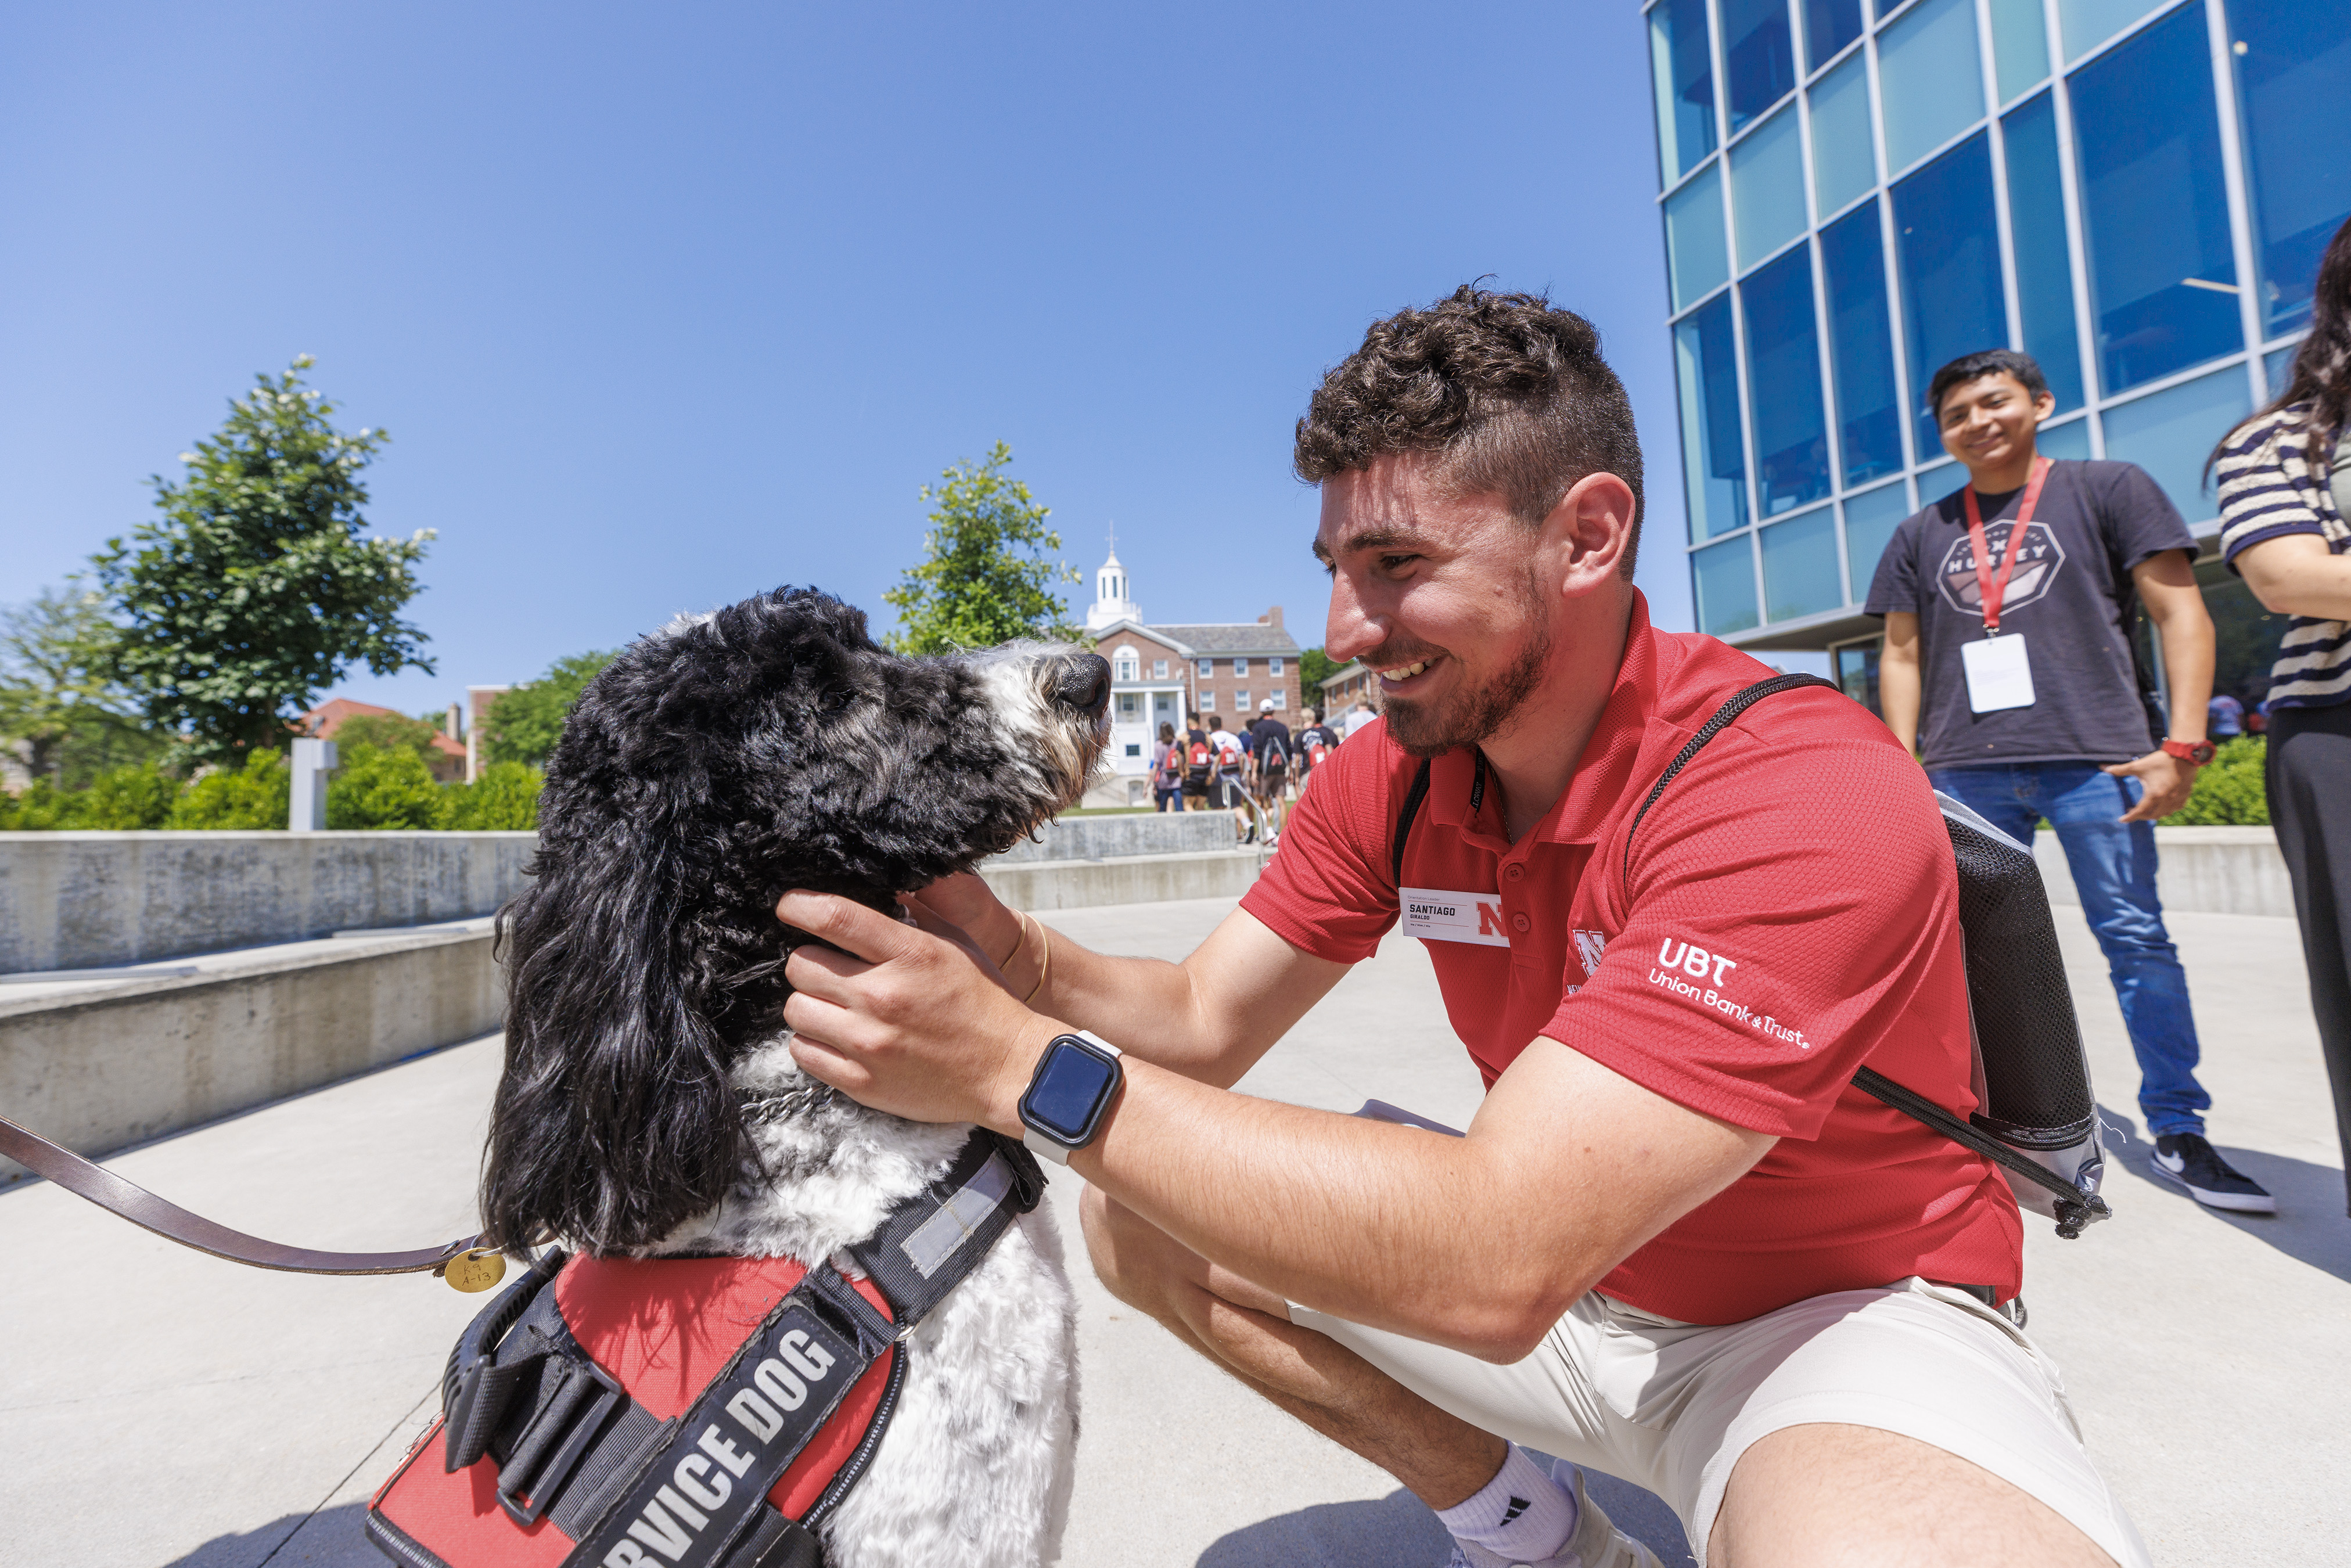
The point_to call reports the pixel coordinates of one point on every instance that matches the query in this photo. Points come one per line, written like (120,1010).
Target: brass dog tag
(474,1271)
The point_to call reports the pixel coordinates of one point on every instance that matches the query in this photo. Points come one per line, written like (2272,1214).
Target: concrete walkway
(160,1407)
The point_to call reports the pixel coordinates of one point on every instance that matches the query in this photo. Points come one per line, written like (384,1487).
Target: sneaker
(2195,1165)
(1615,1549)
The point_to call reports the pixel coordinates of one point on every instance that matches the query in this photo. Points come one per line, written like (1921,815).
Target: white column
(313,760)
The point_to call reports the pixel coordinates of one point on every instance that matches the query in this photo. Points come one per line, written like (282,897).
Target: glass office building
(1856,191)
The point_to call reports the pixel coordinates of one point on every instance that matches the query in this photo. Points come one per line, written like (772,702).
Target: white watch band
(1043,1147)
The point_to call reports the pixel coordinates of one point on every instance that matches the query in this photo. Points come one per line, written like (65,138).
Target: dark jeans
(2310,807)
(2114,871)
(1170,797)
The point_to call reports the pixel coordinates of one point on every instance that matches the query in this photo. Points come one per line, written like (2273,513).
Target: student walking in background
(1167,761)
(2285,490)
(2007,663)
(1198,763)
(1270,746)
(1316,741)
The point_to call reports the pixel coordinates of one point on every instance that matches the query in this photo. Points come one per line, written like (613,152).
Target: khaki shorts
(1671,1406)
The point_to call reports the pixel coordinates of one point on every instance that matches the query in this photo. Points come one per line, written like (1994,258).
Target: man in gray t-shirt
(2010,662)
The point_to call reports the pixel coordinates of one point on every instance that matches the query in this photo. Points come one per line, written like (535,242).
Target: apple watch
(1070,1093)
(2200,752)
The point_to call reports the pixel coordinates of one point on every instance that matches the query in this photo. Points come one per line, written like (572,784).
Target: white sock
(1521,1514)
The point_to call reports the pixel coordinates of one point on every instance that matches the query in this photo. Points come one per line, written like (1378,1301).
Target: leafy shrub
(523,725)
(2229,791)
(384,787)
(504,798)
(42,808)
(257,795)
(123,799)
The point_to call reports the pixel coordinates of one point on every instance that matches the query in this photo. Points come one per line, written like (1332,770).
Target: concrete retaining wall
(79,901)
(98,1065)
(1038,886)
(2212,871)
(1144,834)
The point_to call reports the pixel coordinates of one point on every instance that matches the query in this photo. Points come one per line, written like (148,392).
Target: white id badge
(1432,914)
(1999,674)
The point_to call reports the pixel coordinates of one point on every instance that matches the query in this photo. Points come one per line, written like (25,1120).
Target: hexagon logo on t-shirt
(2036,568)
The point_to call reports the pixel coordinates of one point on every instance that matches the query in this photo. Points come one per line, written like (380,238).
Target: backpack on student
(1197,755)
(1272,755)
(1171,765)
(1316,747)
(1229,756)
(2035,1117)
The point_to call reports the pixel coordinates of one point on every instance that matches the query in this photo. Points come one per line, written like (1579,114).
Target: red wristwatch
(2200,752)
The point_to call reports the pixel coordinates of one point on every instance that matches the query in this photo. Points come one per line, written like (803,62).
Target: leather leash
(460,1262)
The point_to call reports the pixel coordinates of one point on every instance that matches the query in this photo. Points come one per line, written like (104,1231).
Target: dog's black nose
(1083,683)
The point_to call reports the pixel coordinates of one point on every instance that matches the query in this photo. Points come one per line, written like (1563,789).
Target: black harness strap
(2076,1205)
(925,1247)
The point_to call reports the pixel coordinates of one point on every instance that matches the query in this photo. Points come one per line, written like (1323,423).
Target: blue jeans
(2114,870)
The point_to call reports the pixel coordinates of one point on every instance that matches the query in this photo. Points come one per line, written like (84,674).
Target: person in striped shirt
(2285,490)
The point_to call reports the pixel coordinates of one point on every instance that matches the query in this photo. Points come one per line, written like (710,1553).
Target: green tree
(59,695)
(121,799)
(988,569)
(384,787)
(524,724)
(257,795)
(1314,667)
(504,798)
(389,730)
(254,590)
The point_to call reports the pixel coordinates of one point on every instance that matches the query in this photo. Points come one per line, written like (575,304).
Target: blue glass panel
(2171,433)
(1724,577)
(1759,58)
(1844,164)
(1696,250)
(2019,44)
(2086,24)
(1937,483)
(2036,224)
(1800,567)
(2068,441)
(1682,77)
(1948,249)
(2293,92)
(2279,364)
(1929,80)
(1870,519)
(1766,188)
(1714,452)
(2153,209)
(1829,25)
(1783,380)
(1861,348)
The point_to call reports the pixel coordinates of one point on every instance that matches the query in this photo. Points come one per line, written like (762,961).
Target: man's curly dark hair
(1507,390)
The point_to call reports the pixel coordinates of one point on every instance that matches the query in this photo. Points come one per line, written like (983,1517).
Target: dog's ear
(614,1122)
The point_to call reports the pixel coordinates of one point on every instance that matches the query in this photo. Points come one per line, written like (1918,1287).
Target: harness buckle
(567,1424)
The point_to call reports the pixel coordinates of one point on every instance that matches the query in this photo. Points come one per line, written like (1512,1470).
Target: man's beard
(1423,729)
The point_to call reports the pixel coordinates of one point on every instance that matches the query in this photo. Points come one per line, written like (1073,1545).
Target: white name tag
(1999,674)
(1432,914)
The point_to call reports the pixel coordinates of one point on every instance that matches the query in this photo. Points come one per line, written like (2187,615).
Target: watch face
(1067,1091)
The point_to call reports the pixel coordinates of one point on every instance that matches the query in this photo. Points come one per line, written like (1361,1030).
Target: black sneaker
(2195,1165)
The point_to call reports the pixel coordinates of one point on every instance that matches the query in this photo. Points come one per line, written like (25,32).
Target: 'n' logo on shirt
(1589,945)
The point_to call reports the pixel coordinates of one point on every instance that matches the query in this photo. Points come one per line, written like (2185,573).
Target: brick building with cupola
(1159,674)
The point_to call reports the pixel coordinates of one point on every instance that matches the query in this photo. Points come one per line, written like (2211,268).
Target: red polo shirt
(1788,914)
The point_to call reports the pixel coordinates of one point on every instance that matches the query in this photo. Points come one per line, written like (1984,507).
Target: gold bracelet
(1044,967)
(1019,942)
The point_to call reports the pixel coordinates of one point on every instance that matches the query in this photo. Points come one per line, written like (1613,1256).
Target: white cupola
(1113,600)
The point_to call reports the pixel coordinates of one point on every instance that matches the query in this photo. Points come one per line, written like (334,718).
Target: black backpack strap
(1740,702)
(2075,1207)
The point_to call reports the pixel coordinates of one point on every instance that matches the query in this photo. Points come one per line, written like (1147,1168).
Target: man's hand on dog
(910,1019)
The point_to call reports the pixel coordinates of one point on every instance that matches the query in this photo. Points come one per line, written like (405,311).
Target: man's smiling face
(1441,594)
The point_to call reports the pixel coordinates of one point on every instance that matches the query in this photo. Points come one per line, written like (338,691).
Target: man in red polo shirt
(1674,1243)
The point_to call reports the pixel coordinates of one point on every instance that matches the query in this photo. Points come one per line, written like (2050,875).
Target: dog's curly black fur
(710,767)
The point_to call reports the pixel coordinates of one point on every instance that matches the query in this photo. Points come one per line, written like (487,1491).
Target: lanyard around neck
(1990,587)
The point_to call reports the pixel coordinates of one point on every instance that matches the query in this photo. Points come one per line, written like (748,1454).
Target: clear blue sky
(666,305)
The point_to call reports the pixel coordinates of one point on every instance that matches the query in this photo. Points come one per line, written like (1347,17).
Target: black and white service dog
(649,1105)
